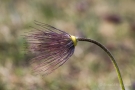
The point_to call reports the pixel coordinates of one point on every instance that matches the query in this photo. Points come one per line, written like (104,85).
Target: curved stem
(110,55)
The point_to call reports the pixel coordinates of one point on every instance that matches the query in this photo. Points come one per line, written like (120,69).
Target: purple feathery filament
(51,48)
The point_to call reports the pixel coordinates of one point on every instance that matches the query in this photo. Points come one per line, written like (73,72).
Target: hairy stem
(110,55)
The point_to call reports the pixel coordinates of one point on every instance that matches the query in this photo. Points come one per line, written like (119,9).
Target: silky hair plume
(52,47)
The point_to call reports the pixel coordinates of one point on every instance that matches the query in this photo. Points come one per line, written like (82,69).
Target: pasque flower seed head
(50,46)
(53,47)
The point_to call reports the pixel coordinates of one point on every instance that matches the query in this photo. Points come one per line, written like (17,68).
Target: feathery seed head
(51,47)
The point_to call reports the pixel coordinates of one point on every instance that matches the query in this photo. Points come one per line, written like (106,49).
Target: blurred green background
(111,22)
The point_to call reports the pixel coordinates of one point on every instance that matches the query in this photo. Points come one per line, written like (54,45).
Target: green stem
(110,55)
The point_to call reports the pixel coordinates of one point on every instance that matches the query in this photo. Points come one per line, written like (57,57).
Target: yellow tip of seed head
(73,38)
